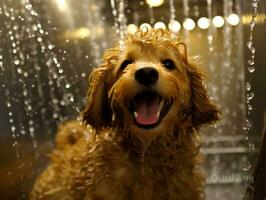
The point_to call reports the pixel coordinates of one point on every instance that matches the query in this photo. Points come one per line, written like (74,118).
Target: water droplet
(248,123)
(251,69)
(19,70)
(250,96)
(68,85)
(249,44)
(13,128)
(55,101)
(31,129)
(246,169)
(29,107)
(50,46)
(34,27)
(16,62)
(8,104)
(25,74)
(39,39)
(248,86)
(250,107)
(23,132)
(72,99)
(251,62)
(254,4)
(252,50)
(251,147)
(252,23)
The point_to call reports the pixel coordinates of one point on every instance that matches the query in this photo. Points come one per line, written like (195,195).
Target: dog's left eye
(168,64)
(125,64)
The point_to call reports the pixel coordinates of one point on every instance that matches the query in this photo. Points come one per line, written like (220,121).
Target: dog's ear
(98,112)
(203,111)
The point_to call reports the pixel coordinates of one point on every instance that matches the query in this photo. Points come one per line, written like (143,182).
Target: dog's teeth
(158,114)
(135,114)
(161,105)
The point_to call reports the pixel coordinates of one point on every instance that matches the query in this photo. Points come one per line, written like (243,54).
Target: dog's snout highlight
(147,76)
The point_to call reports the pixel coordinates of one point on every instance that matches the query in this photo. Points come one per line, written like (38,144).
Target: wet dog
(146,103)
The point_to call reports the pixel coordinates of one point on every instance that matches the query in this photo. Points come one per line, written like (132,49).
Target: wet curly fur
(114,157)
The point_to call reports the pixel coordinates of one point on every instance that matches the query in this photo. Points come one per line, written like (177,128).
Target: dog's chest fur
(113,172)
(102,169)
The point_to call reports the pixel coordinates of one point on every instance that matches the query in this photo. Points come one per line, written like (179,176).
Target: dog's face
(148,88)
(151,86)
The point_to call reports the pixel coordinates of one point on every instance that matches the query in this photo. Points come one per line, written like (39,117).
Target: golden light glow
(154,3)
(203,23)
(132,28)
(174,26)
(233,19)
(145,26)
(260,19)
(61,4)
(189,24)
(158,25)
(80,33)
(218,21)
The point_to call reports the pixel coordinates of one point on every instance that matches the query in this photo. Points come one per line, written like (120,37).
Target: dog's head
(148,87)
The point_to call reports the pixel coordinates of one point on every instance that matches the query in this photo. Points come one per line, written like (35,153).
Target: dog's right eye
(125,64)
(168,64)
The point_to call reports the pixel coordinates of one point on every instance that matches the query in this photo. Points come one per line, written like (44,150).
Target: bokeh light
(203,23)
(189,24)
(154,3)
(218,21)
(233,19)
(158,25)
(174,26)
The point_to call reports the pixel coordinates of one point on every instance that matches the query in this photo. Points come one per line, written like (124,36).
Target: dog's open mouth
(148,109)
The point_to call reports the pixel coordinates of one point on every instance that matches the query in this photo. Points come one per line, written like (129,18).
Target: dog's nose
(147,76)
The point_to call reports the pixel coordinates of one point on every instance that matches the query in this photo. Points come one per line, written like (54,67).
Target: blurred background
(48,48)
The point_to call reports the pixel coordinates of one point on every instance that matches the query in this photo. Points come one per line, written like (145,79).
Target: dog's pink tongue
(147,111)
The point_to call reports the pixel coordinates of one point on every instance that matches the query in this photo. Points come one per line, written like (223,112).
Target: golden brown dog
(146,102)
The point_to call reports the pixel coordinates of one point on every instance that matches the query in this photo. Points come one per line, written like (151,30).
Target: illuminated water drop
(248,86)
(250,96)
(16,62)
(68,85)
(251,69)
(251,62)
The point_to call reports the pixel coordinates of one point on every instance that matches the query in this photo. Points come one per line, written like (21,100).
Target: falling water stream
(210,30)
(186,15)
(249,91)
(172,11)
